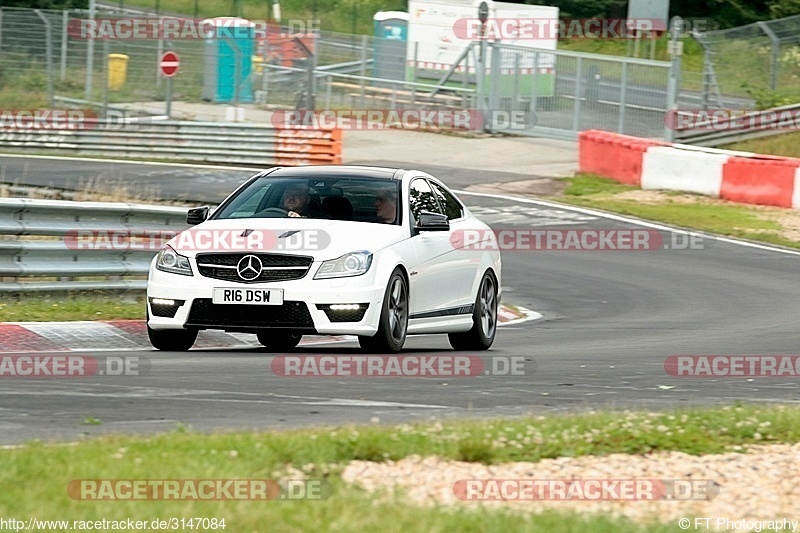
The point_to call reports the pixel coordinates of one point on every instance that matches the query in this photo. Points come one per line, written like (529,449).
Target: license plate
(248,296)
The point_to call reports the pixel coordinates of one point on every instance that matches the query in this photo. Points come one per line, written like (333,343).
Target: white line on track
(629,220)
(129,162)
(544,203)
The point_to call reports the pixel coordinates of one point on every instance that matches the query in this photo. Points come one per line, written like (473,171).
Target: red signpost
(169,64)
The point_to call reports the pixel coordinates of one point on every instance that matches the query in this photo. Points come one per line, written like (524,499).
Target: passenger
(386,206)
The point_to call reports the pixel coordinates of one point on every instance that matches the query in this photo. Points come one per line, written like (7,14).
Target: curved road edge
(131,335)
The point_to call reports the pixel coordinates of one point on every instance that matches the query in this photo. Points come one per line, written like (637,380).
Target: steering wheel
(275,211)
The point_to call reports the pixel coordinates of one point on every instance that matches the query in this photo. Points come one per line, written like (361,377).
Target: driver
(295,199)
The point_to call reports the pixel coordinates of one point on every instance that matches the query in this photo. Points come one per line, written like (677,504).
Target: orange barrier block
(757,180)
(304,145)
(614,156)
(308,132)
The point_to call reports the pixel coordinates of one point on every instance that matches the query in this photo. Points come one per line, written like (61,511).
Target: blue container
(228,60)
(391,34)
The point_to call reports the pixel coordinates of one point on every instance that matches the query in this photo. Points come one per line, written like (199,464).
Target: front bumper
(305,306)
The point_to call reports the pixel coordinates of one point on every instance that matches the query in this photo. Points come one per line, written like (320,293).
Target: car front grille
(275,267)
(292,315)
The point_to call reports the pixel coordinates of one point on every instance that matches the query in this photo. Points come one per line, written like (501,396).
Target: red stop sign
(169,64)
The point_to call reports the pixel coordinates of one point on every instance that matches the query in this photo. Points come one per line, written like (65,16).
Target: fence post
(414,65)
(480,79)
(494,88)
(623,88)
(64,24)
(773,60)
(48,39)
(673,83)
(90,53)
(312,78)
(576,110)
(363,69)
(106,52)
(159,53)
(535,84)
(517,99)
(328,81)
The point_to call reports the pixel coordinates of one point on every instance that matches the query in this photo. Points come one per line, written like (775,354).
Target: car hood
(321,239)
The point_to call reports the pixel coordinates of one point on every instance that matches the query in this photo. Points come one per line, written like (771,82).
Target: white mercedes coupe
(329,250)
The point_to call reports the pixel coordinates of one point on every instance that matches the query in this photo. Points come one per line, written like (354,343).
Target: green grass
(322,452)
(588,185)
(346,16)
(704,214)
(786,144)
(34,307)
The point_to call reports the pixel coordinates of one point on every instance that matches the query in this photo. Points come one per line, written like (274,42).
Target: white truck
(440,30)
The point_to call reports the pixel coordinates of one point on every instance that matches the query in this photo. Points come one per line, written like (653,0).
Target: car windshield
(341,198)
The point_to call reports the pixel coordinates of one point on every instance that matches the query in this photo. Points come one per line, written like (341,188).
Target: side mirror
(432,222)
(197,215)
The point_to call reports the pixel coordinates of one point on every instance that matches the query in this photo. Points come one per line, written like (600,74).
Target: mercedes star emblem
(249,267)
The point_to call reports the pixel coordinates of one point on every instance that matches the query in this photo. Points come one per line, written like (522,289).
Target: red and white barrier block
(742,177)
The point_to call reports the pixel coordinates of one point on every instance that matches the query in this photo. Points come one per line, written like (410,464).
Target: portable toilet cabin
(391,33)
(228,52)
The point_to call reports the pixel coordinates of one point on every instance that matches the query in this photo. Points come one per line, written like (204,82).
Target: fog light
(344,312)
(345,307)
(165,307)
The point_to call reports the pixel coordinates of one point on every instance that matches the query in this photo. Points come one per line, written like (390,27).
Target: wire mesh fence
(514,89)
(763,56)
(568,92)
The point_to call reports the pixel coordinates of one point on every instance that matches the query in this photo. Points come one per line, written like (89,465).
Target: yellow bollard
(258,64)
(117,69)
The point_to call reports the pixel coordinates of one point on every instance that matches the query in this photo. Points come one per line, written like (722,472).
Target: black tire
(279,340)
(393,325)
(172,340)
(484,319)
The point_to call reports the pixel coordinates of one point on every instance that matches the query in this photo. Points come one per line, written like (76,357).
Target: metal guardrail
(211,142)
(41,239)
(743,127)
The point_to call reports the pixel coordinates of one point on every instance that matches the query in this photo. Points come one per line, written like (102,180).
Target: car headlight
(352,264)
(169,260)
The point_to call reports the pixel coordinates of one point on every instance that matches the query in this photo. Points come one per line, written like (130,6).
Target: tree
(47,4)
(726,13)
(784,8)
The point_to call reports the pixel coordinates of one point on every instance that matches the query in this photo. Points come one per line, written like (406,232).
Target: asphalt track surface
(611,319)
(209,184)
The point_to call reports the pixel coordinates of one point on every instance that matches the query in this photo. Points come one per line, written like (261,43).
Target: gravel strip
(761,484)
